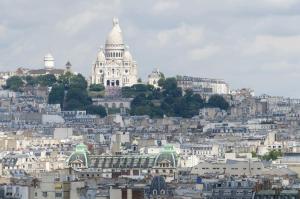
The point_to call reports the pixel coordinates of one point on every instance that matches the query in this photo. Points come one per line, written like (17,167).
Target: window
(58,194)
(154,192)
(45,194)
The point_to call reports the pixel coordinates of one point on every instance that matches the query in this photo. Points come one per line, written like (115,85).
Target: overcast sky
(247,43)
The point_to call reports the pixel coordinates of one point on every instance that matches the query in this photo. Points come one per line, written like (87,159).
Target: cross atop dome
(115,21)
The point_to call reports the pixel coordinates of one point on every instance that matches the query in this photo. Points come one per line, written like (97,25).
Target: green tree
(14,83)
(96,110)
(57,94)
(78,81)
(77,99)
(46,80)
(218,101)
(64,79)
(96,87)
(272,155)
(166,101)
(30,81)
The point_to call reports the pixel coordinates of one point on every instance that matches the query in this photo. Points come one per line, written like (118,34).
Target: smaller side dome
(101,56)
(127,55)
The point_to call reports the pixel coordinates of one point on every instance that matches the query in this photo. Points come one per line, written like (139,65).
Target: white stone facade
(114,66)
(154,77)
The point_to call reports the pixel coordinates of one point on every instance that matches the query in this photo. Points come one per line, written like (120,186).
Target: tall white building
(49,61)
(114,66)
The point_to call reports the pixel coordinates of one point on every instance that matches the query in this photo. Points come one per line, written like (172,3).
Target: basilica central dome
(115,36)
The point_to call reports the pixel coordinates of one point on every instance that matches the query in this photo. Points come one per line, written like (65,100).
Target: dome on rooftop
(79,157)
(167,155)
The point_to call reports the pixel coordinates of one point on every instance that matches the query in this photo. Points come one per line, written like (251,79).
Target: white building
(154,77)
(114,66)
(203,85)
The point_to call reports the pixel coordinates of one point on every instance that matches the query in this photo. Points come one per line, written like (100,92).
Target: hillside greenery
(68,90)
(169,100)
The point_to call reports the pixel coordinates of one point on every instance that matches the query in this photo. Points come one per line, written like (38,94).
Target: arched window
(154,192)
(107,83)
(113,105)
(162,192)
(114,54)
(121,105)
(117,82)
(113,71)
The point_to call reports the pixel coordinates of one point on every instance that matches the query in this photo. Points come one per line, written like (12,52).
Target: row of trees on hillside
(68,90)
(71,92)
(169,100)
(17,83)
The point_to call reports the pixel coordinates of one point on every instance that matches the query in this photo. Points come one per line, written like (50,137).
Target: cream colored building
(114,66)
(154,77)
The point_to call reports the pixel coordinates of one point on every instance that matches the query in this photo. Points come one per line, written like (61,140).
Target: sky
(250,44)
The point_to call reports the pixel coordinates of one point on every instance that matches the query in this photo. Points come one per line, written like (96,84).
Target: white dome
(127,55)
(101,56)
(115,36)
(48,57)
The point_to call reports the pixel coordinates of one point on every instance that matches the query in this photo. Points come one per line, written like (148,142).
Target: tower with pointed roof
(114,65)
